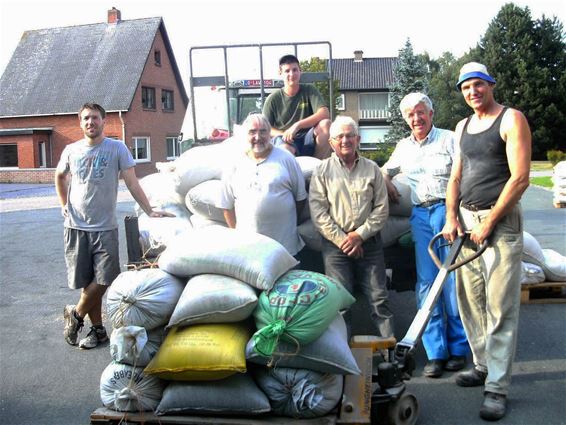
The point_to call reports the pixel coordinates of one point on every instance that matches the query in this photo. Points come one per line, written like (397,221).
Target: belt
(430,203)
(474,208)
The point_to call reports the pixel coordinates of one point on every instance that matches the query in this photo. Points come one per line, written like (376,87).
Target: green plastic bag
(299,308)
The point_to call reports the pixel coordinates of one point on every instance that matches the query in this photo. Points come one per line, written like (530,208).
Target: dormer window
(157,57)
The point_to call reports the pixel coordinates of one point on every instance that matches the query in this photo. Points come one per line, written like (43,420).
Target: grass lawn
(542,181)
(541,166)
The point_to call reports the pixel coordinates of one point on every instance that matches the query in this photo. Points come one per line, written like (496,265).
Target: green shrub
(555,156)
(381,154)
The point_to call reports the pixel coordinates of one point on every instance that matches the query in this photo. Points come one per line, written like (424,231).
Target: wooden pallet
(543,293)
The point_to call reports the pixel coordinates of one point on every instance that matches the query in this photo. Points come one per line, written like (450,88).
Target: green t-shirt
(283,111)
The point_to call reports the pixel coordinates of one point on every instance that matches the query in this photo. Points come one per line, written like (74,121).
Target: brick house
(126,66)
(364,94)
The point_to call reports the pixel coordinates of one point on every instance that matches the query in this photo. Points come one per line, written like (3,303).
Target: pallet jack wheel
(404,411)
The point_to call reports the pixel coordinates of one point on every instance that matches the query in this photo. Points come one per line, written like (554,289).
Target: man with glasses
(425,157)
(298,114)
(265,191)
(348,206)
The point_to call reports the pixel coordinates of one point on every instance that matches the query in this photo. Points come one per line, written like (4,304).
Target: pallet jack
(394,363)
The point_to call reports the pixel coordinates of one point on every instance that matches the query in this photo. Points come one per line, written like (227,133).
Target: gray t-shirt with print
(93,187)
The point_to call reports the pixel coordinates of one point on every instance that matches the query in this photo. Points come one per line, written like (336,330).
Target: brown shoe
(471,378)
(493,407)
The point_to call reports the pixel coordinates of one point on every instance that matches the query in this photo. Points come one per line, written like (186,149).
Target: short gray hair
(413,99)
(341,121)
(256,117)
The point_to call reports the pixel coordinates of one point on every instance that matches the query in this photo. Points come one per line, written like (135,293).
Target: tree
(528,60)
(410,75)
(316,64)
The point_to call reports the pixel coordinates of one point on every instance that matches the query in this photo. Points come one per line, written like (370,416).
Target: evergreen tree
(411,75)
(528,60)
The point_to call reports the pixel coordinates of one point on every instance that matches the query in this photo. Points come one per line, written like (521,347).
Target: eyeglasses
(342,136)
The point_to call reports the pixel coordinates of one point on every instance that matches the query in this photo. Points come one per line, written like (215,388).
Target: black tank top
(485,169)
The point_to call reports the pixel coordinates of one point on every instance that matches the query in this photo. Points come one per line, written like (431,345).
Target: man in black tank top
(489,175)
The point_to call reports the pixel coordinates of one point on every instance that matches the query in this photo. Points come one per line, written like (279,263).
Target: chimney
(358,55)
(114,16)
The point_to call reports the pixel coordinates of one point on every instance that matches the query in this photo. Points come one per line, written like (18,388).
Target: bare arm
(517,135)
(137,192)
(230,217)
(308,122)
(62,188)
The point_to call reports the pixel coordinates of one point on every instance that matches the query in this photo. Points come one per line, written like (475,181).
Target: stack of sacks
(396,225)
(139,304)
(540,264)
(203,355)
(559,184)
(162,192)
(301,344)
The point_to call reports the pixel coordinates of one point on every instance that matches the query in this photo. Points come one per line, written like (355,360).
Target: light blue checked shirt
(427,164)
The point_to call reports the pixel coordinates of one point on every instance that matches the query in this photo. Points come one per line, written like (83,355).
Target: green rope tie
(267,338)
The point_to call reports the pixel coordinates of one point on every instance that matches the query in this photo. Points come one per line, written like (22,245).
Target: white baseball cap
(474,70)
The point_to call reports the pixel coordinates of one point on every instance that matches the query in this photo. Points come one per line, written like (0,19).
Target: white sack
(203,163)
(532,251)
(405,206)
(554,266)
(250,257)
(395,227)
(300,393)
(531,273)
(198,222)
(307,165)
(311,236)
(133,345)
(128,389)
(203,198)
(155,232)
(212,298)
(144,298)
(161,190)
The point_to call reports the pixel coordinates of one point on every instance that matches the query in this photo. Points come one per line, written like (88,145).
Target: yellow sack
(202,352)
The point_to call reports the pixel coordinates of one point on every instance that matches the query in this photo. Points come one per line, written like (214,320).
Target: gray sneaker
(72,325)
(94,337)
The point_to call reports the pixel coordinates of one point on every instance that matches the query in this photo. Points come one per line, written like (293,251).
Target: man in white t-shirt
(265,190)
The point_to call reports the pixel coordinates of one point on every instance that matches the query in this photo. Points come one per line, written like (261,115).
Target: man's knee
(95,290)
(323,129)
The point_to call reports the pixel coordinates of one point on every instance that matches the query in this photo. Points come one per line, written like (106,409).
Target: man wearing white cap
(489,175)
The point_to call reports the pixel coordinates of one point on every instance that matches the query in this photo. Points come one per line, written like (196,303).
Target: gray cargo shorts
(91,256)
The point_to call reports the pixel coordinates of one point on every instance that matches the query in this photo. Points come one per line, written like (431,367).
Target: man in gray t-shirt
(86,180)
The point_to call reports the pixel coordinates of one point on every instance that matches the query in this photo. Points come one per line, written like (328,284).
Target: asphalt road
(44,381)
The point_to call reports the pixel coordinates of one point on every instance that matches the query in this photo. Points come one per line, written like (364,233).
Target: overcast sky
(377,27)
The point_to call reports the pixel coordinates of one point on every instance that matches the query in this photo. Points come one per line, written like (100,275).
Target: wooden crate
(543,293)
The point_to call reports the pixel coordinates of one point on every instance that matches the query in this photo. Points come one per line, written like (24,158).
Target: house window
(374,106)
(8,155)
(148,97)
(341,103)
(157,57)
(167,100)
(140,149)
(172,147)
(370,137)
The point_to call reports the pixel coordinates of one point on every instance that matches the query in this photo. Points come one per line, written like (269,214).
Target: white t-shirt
(263,195)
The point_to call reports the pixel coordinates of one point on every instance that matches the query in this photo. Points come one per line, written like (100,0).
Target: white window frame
(135,148)
(163,103)
(341,102)
(176,147)
(371,145)
(386,114)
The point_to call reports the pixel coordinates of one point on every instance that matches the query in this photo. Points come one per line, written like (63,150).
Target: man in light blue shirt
(425,157)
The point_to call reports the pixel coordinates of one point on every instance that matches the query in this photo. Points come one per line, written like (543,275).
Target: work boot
(433,369)
(471,378)
(96,335)
(455,363)
(73,324)
(493,407)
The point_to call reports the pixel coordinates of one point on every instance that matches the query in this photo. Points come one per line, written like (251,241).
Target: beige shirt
(343,200)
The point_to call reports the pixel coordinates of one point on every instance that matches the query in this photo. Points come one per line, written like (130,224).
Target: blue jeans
(369,273)
(444,335)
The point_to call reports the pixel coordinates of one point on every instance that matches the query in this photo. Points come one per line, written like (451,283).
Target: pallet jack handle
(459,243)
